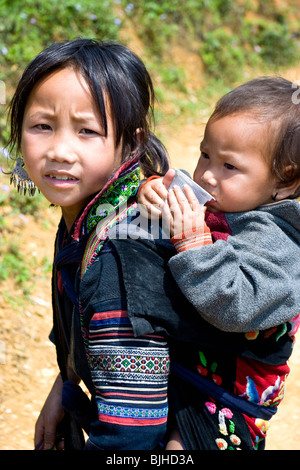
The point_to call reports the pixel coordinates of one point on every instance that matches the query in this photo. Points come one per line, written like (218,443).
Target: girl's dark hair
(110,70)
(274,100)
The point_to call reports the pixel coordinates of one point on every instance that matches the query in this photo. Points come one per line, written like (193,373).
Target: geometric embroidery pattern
(130,374)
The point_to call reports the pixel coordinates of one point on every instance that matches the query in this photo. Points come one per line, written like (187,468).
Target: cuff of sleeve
(146,181)
(192,239)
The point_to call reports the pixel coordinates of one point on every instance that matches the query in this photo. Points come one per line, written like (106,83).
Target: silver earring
(20,179)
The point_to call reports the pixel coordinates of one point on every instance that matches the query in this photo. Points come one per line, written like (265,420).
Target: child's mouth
(62,177)
(62,180)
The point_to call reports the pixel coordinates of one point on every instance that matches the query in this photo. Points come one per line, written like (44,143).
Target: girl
(81,119)
(237,262)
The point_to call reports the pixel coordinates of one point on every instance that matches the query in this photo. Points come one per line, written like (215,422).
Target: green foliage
(13,264)
(273,40)
(228,35)
(22,204)
(27,26)
(222,55)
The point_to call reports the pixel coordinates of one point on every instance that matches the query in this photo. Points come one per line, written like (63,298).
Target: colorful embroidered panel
(130,374)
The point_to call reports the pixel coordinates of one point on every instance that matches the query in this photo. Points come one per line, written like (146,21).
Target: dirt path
(27,358)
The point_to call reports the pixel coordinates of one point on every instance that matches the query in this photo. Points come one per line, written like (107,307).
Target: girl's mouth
(62,177)
(60,180)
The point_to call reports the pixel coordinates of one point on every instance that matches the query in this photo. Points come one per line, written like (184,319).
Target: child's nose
(209,177)
(62,149)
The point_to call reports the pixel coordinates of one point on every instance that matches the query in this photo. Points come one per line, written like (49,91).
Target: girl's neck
(69,216)
(70,213)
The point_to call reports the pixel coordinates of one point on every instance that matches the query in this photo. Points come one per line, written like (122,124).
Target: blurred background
(196,51)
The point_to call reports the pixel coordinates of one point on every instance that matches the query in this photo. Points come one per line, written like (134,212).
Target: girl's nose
(62,149)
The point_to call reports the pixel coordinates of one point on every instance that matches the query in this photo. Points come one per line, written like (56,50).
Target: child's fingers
(150,210)
(176,200)
(151,197)
(187,213)
(168,178)
(153,192)
(167,216)
(192,199)
(180,198)
(177,211)
(156,189)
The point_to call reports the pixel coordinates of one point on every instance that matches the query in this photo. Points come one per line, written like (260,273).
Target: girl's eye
(43,127)
(204,155)
(229,166)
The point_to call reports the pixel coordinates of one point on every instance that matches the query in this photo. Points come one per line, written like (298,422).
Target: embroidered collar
(120,187)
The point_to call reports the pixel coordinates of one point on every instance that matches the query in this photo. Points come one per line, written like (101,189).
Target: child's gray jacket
(251,280)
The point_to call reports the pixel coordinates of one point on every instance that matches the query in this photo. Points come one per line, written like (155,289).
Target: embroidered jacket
(127,375)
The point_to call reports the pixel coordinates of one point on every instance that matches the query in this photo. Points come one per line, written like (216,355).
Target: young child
(81,118)
(237,262)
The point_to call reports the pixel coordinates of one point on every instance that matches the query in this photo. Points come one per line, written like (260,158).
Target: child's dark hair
(273,100)
(111,71)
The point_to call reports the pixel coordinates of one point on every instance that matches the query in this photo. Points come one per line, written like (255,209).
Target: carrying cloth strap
(226,398)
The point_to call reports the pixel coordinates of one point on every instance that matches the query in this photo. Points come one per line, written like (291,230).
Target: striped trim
(191,239)
(130,374)
(132,416)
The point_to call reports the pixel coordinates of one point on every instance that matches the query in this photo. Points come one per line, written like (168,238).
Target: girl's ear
(286,189)
(139,135)
(139,138)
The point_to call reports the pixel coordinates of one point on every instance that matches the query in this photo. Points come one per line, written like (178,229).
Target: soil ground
(27,358)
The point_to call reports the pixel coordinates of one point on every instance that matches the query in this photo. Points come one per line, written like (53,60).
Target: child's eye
(87,131)
(43,127)
(229,166)
(204,155)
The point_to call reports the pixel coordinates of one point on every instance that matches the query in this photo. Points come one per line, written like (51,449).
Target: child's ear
(286,189)
(139,138)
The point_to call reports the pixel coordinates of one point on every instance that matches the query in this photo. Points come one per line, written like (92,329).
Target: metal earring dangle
(20,179)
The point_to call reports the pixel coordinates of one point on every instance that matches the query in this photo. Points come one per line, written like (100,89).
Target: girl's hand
(183,213)
(153,194)
(51,415)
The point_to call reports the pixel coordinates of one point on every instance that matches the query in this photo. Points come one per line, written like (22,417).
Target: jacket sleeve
(249,282)
(129,373)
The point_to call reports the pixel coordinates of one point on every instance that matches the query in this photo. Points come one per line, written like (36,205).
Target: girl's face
(233,166)
(64,147)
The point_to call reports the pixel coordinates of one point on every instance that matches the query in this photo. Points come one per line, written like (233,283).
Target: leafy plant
(222,55)
(28,26)
(13,264)
(228,35)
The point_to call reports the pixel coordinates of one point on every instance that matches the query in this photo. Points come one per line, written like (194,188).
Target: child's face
(233,165)
(65,150)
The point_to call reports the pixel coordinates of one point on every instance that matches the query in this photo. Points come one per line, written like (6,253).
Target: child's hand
(183,212)
(153,194)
